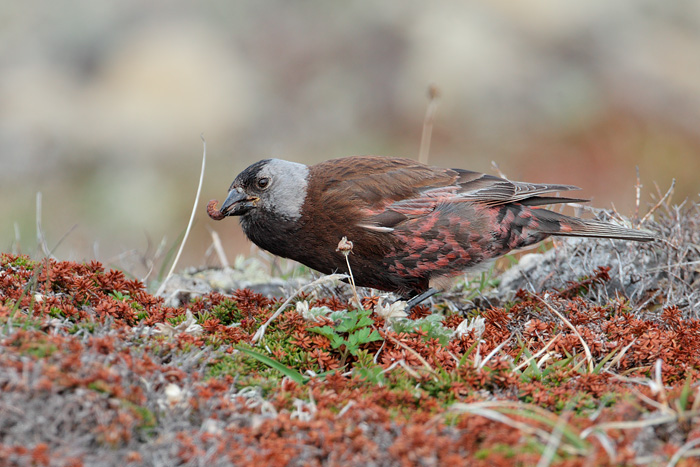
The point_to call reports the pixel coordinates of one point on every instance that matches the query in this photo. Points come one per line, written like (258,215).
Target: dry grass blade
(683,451)
(40,238)
(16,245)
(536,355)
(424,152)
(189,224)
(632,424)
(638,194)
(410,350)
(659,384)
(618,358)
(219,248)
(493,352)
(261,330)
(586,349)
(483,410)
(607,444)
(345,409)
(402,363)
(498,410)
(554,441)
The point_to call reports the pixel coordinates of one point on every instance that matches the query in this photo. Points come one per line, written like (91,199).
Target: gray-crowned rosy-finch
(412,226)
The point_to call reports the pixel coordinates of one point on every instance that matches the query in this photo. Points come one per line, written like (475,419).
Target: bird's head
(272,188)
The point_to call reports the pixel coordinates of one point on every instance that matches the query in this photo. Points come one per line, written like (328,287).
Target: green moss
(227,312)
(20,261)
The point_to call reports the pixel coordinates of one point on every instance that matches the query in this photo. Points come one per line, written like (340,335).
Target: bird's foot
(419,298)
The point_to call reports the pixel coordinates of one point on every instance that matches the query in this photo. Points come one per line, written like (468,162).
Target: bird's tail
(553,223)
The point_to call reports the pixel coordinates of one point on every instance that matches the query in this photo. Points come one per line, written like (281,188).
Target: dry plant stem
(16,246)
(408,349)
(696,402)
(402,364)
(424,152)
(659,383)
(189,224)
(682,451)
(260,333)
(493,352)
(352,282)
(532,357)
(586,349)
(41,240)
(345,409)
(152,261)
(218,247)
(345,248)
(554,441)
(632,424)
(618,358)
(638,190)
(661,201)
(489,410)
(651,402)
(607,444)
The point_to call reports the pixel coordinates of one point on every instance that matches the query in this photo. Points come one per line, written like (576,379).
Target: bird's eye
(263,182)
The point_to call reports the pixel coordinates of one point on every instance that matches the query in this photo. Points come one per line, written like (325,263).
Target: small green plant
(119,296)
(289,372)
(353,330)
(431,324)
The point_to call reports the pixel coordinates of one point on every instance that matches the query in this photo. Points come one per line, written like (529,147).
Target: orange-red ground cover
(95,370)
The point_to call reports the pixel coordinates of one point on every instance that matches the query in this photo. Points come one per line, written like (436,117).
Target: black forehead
(250,174)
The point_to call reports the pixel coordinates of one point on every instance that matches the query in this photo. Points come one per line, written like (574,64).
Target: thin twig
(663,198)
(189,224)
(60,240)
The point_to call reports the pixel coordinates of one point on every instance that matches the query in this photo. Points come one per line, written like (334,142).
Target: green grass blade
(288,372)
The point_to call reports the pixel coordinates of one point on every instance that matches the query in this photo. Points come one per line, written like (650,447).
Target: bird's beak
(238,203)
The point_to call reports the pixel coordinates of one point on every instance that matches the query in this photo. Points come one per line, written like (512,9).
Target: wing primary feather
(376,228)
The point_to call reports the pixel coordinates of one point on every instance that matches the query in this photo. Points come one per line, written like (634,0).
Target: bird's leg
(419,298)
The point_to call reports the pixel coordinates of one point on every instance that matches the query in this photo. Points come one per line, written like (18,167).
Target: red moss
(405,408)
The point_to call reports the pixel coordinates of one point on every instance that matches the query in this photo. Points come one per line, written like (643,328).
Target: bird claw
(213,212)
(419,298)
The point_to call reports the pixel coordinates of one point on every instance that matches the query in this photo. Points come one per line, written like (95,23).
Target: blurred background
(102,104)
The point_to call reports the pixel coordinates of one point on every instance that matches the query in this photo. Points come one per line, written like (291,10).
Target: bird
(413,227)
